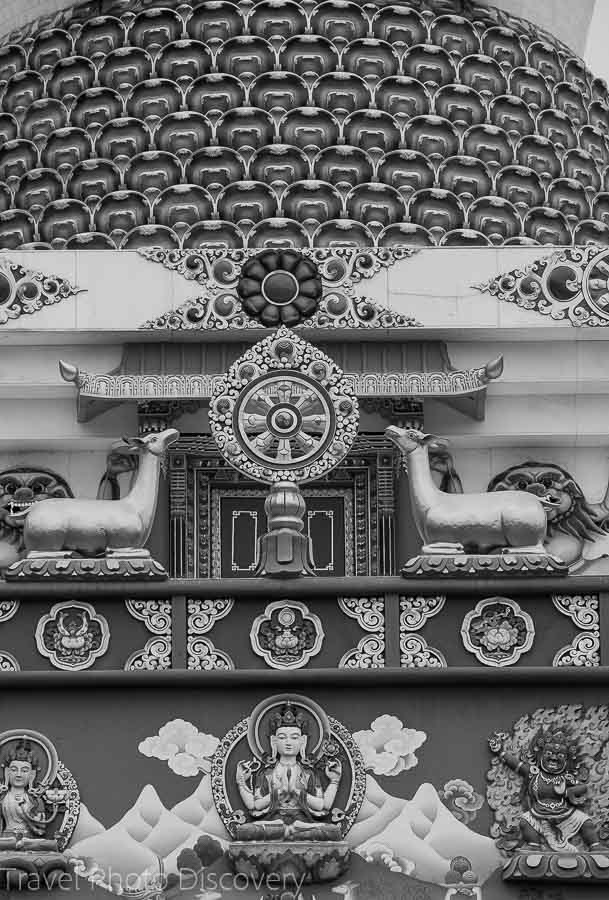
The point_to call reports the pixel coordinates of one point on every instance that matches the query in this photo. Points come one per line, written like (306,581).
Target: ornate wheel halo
(284,412)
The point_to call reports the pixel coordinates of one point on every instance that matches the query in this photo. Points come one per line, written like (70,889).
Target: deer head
(153,443)
(409,439)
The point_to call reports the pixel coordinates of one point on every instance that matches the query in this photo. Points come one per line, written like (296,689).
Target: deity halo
(259,723)
(50,762)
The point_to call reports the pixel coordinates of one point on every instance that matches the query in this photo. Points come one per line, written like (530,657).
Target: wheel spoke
(254,422)
(316,422)
(263,441)
(284,451)
(306,440)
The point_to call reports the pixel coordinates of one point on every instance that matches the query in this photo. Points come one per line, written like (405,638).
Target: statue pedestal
(551,865)
(32,870)
(308,862)
(469,564)
(71,568)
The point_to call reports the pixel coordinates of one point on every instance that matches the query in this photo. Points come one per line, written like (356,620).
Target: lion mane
(580,520)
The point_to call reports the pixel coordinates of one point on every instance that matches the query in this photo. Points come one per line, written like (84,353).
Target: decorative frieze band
(199,386)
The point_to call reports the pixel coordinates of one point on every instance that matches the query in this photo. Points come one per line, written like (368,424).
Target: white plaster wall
(568,20)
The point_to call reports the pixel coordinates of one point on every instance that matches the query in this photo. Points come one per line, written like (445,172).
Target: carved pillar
(177,515)
(386,484)
(396,523)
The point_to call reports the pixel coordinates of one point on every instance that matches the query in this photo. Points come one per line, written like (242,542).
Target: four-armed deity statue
(291,803)
(39,808)
(289,797)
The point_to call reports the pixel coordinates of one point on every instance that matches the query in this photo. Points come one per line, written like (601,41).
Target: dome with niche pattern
(129,124)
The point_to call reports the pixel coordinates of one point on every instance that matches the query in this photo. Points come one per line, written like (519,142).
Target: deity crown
(559,739)
(287,717)
(22,753)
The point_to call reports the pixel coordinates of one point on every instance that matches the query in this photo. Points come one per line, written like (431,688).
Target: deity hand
(334,770)
(245,770)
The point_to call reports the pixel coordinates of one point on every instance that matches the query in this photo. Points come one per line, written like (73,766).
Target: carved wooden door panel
(238,520)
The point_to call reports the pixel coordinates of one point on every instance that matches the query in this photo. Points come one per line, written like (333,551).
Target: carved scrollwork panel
(570,285)
(203,613)
(584,650)
(155,655)
(369,654)
(25,291)
(416,611)
(415,653)
(369,613)
(203,656)
(245,289)
(156,615)
(8,663)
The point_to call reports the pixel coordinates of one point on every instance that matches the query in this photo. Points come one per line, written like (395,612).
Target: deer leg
(439,549)
(538,549)
(51,554)
(131,552)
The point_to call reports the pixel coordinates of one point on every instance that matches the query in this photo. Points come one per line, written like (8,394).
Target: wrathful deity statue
(554,792)
(288,796)
(24,813)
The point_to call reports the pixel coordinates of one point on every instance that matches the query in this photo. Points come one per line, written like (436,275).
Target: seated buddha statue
(23,819)
(288,797)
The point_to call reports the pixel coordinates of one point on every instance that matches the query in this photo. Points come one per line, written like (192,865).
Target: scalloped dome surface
(128,124)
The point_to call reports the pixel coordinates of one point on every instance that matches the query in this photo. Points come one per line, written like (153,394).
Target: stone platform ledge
(548,865)
(31,870)
(315,861)
(102,568)
(465,564)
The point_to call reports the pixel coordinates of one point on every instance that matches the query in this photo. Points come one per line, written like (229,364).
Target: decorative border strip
(368,384)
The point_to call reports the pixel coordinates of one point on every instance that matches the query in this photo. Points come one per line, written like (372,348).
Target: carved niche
(216,514)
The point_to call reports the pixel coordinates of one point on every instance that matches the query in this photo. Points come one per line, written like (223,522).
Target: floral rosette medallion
(498,632)
(280,287)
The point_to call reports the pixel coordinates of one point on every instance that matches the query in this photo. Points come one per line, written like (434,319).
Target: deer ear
(434,443)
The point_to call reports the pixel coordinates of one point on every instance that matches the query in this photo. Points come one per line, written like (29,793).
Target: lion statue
(578,531)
